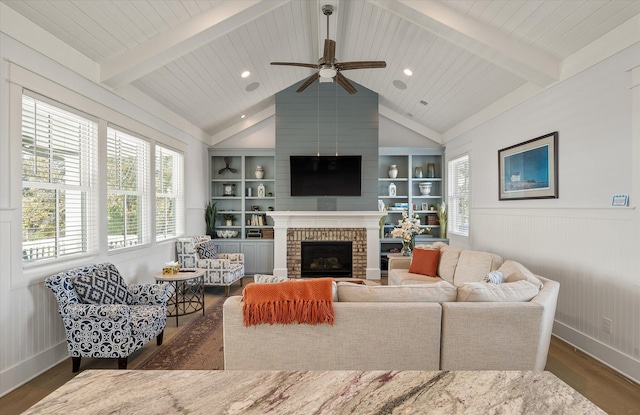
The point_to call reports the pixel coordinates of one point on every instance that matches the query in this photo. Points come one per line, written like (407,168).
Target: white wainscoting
(590,252)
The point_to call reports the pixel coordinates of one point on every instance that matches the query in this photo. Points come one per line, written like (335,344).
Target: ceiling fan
(328,66)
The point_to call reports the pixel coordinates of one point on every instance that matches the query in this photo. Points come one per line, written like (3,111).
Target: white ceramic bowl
(227,233)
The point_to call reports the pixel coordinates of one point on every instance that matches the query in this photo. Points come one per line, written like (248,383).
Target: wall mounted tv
(325,175)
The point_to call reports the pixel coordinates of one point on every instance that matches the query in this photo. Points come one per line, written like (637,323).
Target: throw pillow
(207,250)
(104,286)
(494,277)
(268,278)
(515,271)
(425,262)
(429,293)
(518,291)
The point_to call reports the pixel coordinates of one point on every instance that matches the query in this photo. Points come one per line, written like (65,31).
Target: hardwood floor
(604,387)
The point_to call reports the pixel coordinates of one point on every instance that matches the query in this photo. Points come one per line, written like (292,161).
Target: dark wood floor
(604,387)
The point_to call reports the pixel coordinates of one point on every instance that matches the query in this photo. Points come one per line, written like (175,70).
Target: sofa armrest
(150,294)
(399,262)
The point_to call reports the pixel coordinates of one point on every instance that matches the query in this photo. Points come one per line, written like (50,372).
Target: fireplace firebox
(326,259)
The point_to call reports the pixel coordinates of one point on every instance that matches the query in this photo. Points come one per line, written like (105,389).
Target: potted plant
(228,217)
(210,212)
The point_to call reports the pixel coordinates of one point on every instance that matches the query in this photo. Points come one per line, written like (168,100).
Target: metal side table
(188,296)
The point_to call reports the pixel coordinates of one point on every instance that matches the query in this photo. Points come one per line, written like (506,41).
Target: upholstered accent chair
(103,316)
(221,269)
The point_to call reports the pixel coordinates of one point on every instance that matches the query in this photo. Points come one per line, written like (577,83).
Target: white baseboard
(18,375)
(620,362)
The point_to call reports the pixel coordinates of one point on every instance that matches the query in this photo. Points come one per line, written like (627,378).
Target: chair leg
(226,290)
(122,363)
(159,338)
(75,364)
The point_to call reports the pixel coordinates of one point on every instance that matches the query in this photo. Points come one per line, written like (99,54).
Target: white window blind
(169,193)
(128,196)
(458,172)
(59,181)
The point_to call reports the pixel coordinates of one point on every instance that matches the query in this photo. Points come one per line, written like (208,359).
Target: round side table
(188,295)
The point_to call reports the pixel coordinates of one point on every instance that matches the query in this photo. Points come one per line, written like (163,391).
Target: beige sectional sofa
(414,323)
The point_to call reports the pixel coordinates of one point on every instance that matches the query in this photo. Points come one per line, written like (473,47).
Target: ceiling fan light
(325,80)
(328,72)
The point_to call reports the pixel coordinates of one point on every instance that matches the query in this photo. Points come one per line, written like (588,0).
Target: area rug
(198,346)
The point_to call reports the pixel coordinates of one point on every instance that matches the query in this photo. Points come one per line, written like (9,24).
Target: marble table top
(315,392)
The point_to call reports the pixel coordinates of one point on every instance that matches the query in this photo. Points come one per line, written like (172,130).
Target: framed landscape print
(529,170)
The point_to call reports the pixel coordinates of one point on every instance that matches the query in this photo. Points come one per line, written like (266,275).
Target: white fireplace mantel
(369,220)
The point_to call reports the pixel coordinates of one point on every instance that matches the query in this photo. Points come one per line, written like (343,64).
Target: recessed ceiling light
(245,74)
(243,115)
(423,102)
(408,72)
(399,84)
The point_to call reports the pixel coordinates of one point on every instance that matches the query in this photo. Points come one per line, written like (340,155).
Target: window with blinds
(169,179)
(59,181)
(128,196)
(458,200)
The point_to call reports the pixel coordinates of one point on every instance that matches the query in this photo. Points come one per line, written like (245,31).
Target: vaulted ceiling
(465,55)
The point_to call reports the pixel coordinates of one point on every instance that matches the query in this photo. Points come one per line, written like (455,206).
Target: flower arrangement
(408,227)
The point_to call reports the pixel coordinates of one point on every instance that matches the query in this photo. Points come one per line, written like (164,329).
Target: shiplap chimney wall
(324,118)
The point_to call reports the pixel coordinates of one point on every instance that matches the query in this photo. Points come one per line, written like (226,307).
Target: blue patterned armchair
(220,268)
(103,316)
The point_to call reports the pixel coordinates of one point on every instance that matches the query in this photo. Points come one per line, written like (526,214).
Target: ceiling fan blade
(308,82)
(344,66)
(344,82)
(304,65)
(222,170)
(329,54)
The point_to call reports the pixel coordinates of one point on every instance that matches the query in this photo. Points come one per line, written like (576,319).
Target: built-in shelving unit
(245,208)
(415,167)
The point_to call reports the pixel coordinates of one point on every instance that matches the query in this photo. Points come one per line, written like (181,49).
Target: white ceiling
(465,55)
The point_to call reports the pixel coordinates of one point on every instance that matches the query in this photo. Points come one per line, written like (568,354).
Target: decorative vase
(425,188)
(431,170)
(229,222)
(261,190)
(393,171)
(392,189)
(418,172)
(406,248)
(259,172)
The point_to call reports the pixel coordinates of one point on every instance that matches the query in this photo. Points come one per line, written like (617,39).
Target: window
(59,181)
(459,195)
(128,197)
(169,193)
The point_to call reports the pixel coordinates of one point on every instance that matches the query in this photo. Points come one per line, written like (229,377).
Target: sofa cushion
(486,292)
(514,271)
(425,262)
(433,293)
(103,286)
(207,250)
(402,276)
(474,265)
(448,261)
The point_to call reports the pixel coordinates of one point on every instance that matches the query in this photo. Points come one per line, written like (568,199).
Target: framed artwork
(425,206)
(529,170)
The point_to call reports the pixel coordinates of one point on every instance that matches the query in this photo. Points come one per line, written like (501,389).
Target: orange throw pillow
(425,262)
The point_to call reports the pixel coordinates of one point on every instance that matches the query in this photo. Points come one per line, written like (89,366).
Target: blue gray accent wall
(325,118)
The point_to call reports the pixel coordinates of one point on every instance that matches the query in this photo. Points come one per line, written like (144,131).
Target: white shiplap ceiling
(465,55)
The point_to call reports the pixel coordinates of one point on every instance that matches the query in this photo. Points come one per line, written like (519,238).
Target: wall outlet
(606,325)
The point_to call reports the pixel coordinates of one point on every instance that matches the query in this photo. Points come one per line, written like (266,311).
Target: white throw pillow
(432,293)
(514,271)
(518,291)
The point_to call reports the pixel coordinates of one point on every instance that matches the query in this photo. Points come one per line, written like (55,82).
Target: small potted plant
(210,212)
(228,218)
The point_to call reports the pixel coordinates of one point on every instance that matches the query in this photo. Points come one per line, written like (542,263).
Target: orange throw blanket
(305,301)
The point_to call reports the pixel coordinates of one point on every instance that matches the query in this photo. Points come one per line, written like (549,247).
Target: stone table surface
(314,392)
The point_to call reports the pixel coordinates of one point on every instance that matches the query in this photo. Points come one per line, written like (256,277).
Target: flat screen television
(325,175)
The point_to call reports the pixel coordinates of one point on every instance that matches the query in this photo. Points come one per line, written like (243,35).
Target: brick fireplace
(362,228)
